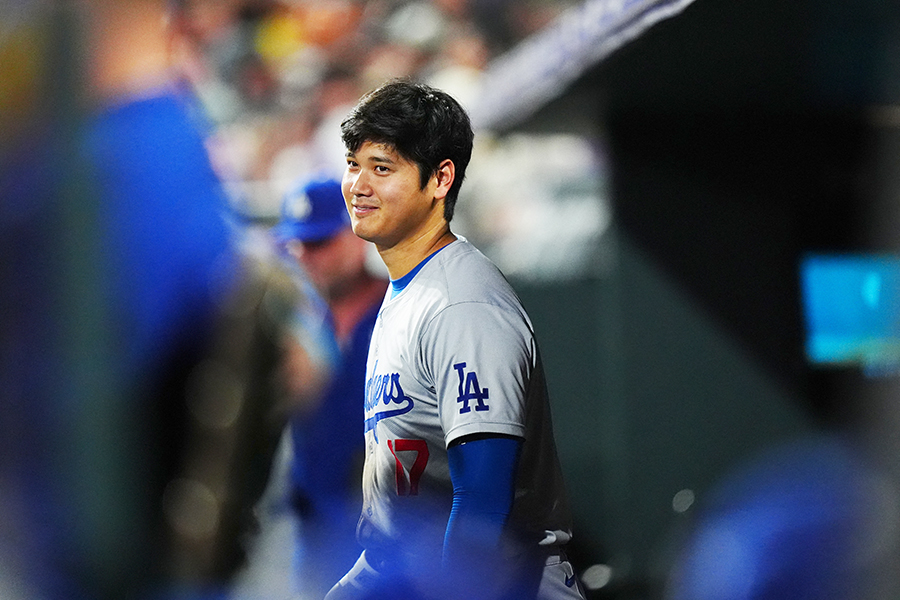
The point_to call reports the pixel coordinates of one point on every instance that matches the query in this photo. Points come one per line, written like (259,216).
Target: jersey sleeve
(479,358)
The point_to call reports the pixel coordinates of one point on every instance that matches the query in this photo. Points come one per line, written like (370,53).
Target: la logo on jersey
(470,391)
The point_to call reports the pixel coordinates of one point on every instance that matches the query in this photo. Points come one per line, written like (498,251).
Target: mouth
(363,209)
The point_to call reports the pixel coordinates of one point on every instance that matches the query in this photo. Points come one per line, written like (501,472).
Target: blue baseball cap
(313,210)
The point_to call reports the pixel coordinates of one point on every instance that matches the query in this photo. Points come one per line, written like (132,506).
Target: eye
(382,169)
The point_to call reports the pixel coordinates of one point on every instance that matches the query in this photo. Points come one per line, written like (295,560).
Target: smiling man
(462,489)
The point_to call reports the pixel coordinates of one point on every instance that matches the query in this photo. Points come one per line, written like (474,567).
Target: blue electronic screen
(851,310)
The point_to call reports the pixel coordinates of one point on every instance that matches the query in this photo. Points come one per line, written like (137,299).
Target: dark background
(741,135)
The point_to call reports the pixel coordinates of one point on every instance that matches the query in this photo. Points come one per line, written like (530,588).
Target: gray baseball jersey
(453,354)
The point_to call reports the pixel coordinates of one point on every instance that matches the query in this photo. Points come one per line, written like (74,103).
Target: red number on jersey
(408,482)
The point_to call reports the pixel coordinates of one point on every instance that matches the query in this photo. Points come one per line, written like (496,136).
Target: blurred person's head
(315,228)
(205,22)
(424,125)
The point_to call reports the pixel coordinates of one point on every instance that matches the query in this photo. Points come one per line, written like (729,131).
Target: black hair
(422,124)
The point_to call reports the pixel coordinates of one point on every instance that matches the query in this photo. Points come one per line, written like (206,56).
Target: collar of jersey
(398,285)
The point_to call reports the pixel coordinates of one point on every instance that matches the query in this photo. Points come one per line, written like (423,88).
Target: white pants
(558,581)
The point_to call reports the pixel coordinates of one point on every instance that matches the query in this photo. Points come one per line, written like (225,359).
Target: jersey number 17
(408,479)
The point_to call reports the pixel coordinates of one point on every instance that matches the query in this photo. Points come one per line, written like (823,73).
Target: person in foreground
(463,495)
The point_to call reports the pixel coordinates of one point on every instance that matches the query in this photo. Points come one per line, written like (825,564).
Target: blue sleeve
(483,474)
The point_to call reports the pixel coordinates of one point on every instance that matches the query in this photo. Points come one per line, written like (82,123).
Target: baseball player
(462,490)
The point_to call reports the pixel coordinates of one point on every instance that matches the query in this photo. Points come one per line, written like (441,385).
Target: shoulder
(475,296)
(467,275)
(451,288)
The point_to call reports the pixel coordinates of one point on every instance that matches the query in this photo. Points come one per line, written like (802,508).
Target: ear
(444,176)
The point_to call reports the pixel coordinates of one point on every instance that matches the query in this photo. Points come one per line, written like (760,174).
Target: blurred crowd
(277,77)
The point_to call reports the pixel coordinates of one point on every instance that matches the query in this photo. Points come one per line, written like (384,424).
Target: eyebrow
(377,158)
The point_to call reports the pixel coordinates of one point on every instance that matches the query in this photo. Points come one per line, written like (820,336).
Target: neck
(403,258)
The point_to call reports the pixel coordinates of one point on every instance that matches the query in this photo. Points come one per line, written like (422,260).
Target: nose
(354,184)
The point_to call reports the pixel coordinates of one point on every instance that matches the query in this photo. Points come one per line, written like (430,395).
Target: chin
(361,232)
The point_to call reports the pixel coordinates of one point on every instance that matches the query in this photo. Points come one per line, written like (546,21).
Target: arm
(483,470)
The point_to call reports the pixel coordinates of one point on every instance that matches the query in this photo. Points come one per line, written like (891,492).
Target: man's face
(333,264)
(382,191)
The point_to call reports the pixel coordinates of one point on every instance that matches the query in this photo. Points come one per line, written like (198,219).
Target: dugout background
(742,135)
